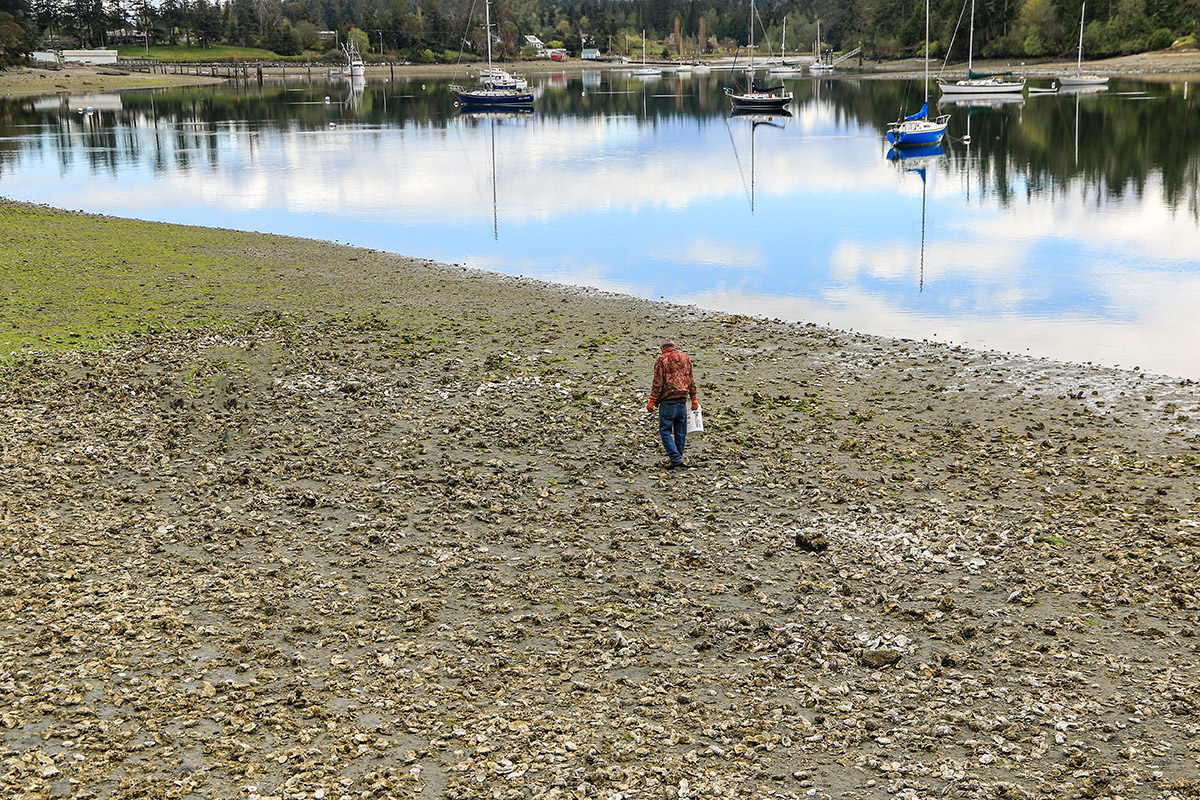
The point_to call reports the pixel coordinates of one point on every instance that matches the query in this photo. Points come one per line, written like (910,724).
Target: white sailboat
(980,83)
(784,67)
(644,71)
(819,66)
(1079,79)
(498,78)
(756,98)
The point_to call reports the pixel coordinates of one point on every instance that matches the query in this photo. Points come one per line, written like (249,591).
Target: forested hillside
(437,29)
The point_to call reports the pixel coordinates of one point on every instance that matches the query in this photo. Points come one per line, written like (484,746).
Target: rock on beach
(425,548)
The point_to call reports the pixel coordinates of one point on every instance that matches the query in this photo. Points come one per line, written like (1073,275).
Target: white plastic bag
(695,421)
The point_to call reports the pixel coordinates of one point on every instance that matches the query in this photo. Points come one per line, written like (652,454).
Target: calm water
(1068,227)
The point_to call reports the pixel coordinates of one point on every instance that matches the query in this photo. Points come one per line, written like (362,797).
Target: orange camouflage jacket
(673,377)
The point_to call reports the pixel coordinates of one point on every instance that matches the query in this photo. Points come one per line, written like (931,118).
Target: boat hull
(1083,80)
(918,132)
(982,86)
(492,98)
(759,101)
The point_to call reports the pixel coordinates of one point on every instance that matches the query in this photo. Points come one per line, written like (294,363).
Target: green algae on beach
(76,281)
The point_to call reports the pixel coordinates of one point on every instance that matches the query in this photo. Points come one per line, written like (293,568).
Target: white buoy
(326,98)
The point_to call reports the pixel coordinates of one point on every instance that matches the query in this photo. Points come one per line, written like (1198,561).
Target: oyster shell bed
(427,548)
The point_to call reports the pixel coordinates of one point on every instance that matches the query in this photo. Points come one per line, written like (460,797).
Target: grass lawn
(181,52)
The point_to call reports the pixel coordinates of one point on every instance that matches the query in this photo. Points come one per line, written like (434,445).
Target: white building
(90,56)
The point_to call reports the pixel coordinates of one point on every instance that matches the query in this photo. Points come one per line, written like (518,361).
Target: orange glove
(650,406)
(695,405)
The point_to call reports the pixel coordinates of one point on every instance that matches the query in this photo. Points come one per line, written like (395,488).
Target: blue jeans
(672,427)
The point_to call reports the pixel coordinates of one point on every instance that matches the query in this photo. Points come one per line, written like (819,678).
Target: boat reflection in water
(918,160)
(775,119)
(981,100)
(494,117)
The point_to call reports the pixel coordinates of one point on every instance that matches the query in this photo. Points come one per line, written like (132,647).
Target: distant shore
(1167,64)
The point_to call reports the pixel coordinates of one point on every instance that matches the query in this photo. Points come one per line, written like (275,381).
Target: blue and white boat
(918,129)
(489,96)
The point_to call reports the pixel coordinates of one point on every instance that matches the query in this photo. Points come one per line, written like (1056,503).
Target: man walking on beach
(673,387)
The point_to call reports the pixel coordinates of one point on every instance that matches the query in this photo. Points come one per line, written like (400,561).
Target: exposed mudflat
(408,535)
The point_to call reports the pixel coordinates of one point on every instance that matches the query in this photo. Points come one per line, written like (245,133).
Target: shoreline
(326,519)
(25,82)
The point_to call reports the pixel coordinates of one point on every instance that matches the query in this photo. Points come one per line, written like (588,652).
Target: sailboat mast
(752,43)
(487,14)
(1079,62)
(927,50)
(970,40)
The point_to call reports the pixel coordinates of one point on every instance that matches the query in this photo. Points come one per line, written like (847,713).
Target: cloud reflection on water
(803,221)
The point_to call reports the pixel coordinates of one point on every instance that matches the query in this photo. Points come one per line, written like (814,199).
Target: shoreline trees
(1013,29)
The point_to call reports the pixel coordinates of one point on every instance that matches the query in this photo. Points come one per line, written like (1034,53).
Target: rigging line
(462,42)
(738,160)
(953,36)
(466,154)
(734,69)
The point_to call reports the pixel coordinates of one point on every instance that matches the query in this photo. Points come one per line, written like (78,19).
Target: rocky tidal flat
(415,540)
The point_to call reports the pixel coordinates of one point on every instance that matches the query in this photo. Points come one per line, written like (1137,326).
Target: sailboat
(644,71)
(498,78)
(756,98)
(1079,79)
(980,83)
(699,66)
(489,96)
(819,66)
(917,129)
(784,67)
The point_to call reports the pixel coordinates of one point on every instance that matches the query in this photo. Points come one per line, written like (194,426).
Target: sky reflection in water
(643,191)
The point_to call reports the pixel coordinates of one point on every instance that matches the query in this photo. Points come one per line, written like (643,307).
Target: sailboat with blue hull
(918,129)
